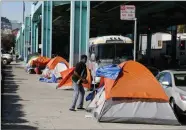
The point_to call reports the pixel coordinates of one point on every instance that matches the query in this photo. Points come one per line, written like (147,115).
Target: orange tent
(134,97)
(135,81)
(53,62)
(66,82)
(41,61)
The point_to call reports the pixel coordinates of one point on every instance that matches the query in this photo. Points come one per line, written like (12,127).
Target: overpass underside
(64,27)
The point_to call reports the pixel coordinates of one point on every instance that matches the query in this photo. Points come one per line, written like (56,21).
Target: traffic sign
(127,12)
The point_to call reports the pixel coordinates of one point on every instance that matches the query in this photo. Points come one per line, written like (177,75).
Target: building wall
(156,42)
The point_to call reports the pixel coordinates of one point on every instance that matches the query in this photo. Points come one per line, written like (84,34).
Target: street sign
(127,12)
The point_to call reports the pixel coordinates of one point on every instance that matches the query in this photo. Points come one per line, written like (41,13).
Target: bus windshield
(111,51)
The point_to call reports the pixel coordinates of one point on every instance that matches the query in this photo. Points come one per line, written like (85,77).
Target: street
(30,104)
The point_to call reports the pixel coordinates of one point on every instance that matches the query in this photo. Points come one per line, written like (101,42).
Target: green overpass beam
(58,3)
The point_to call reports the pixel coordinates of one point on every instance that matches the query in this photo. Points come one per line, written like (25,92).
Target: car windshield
(180,80)
(111,51)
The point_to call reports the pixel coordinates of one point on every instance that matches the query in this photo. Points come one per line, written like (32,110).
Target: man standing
(78,78)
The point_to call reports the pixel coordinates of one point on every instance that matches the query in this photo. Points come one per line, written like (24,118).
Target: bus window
(124,50)
(106,51)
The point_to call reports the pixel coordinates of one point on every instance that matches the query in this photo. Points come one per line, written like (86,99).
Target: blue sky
(14,10)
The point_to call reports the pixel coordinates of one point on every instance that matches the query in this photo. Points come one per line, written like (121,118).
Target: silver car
(174,84)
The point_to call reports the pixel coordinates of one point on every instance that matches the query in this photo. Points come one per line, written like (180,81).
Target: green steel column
(23,43)
(46,29)
(79,30)
(26,39)
(33,40)
(27,35)
(15,46)
(85,27)
(20,51)
(21,36)
(19,46)
(36,34)
(71,58)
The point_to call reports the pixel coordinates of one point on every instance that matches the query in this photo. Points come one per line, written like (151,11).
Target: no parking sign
(127,12)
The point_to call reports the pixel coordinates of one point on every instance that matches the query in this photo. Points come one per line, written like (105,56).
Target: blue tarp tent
(109,71)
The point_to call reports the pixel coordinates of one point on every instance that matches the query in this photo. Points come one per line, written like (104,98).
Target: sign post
(127,12)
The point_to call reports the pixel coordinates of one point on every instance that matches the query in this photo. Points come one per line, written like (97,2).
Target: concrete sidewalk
(30,104)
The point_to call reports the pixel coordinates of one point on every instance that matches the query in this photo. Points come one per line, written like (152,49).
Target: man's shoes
(72,109)
(81,108)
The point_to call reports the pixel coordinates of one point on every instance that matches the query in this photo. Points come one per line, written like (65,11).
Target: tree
(7,41)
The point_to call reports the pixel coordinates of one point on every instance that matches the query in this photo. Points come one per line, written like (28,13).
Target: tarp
(47,73)
(91,95)
(109,71)
(54,61)
(51,80)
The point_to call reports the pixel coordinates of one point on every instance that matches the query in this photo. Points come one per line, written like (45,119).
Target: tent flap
(67,78)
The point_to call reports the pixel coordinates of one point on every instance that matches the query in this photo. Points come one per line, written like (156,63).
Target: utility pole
(23,12)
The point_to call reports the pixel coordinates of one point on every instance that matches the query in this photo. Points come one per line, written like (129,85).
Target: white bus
(109,50)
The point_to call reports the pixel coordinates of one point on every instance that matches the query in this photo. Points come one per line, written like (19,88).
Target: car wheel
(5,61)
(172,104)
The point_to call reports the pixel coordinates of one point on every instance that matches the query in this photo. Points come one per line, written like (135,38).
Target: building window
(159,43)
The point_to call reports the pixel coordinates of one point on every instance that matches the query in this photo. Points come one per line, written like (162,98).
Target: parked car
(174,84)
(6,57)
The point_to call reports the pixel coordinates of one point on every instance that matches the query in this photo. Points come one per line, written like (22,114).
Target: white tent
(131,111)
(58,68)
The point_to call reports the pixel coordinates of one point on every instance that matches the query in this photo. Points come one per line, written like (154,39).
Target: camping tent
(28,67)
(36,61)
(30,62)
(31,56)
(134,97)
(41,61)
(60,67)
(54,61)
(56,65)
(66,82)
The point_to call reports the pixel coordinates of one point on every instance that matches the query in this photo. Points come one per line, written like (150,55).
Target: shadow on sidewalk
(12,113)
